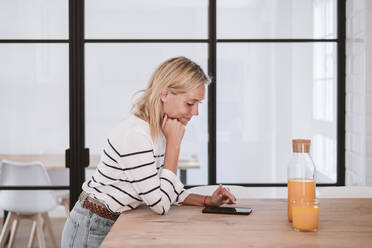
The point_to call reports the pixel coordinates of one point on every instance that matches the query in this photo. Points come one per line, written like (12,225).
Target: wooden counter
(50,161)
(342,223)
(57,161)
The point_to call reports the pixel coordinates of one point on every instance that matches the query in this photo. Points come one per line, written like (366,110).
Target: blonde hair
(178,75)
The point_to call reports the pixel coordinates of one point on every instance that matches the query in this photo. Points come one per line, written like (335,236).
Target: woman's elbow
(161,209)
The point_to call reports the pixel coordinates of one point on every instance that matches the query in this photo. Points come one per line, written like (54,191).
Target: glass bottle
(300,174)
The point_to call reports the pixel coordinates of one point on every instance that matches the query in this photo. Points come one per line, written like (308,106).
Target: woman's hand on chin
(173,130)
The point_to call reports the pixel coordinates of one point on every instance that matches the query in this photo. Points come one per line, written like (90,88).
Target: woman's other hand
(221,196)
(173,130)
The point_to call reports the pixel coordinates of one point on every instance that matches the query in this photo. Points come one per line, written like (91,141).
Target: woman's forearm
(171,157)
(196,200)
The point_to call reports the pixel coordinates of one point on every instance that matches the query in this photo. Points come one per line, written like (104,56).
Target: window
(125,42)
(277,80)
(278,69)
(34,81)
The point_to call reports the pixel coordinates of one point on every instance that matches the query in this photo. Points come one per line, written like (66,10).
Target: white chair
(345,192)
(30,204)
(61,177)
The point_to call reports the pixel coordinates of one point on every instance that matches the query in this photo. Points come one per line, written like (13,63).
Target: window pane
(36,19)
(114,72)
(146,19)
(266,97)
(34,103)
(276,19)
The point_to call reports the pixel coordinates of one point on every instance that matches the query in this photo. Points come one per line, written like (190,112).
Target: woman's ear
(163,95)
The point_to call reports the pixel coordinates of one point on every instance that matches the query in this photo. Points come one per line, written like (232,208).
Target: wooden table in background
(50,161)
(342,223)
(57,162)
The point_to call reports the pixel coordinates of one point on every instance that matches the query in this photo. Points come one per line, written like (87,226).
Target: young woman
(139,161)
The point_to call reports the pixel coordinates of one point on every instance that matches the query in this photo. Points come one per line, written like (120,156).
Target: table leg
(183,176)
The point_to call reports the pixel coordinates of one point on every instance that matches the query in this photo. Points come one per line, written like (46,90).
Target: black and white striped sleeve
(159,193)
(181,196)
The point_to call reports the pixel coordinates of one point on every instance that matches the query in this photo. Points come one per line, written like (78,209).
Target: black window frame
(77,156)
(341,77)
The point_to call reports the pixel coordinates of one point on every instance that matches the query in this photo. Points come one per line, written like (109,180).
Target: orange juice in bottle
(301,174)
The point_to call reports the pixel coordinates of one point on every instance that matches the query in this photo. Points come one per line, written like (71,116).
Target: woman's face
(182,106)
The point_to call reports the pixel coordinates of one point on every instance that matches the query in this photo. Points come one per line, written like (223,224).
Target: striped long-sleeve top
(131,172)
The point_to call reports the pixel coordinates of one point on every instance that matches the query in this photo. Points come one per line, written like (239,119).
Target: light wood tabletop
(342,223)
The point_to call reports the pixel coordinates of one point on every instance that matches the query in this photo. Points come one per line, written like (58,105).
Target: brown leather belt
(97,208)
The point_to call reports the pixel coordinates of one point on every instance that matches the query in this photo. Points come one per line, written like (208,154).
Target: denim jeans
(84,228)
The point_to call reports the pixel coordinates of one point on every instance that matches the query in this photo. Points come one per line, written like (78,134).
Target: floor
(24,230)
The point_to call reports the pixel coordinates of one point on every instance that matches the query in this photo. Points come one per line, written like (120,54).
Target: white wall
(359,92)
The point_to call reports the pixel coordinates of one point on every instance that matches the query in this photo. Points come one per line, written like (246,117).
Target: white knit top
(131,172)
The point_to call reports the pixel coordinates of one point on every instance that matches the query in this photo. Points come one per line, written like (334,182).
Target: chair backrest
(61,177)
(25,201)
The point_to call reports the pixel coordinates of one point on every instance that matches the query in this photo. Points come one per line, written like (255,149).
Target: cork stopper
(301,145)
